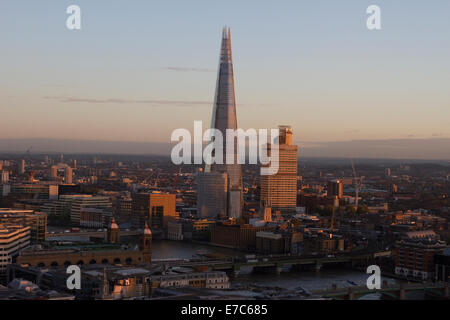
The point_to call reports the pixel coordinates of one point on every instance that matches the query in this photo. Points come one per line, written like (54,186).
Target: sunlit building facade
(223,118)
(279,191)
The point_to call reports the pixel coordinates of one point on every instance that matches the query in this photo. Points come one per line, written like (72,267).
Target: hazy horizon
(400,149)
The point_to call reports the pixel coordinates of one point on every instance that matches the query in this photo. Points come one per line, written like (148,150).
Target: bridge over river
(274,263)
(438,290)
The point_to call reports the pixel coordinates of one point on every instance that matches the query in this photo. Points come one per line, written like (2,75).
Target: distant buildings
(72,205)
(123,209)
(4,176)
(54,172)
(68,175)
(21,191)
(335,189)
(21,166)
(95,217)
(280,190)
(80,202)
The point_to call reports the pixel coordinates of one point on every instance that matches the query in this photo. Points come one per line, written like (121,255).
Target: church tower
(146,244)
(113,232)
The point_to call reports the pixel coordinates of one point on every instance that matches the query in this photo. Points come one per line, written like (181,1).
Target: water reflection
(309,280)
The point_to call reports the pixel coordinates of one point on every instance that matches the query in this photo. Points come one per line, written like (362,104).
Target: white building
(13,238)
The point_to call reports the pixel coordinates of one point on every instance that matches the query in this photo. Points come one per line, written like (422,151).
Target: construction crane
(155,184)
(175,176)
(357,182)
(28,152)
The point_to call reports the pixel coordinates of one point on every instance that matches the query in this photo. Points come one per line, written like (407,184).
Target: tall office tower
(4,176)
(22,166)
(54,172)
(280,190)
(68,175)
(61,158)
(224,117)
(335,189)
(74,163)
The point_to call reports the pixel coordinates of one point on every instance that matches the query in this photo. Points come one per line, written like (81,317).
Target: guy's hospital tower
(220,185)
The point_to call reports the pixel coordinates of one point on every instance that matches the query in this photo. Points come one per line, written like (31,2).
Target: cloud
(183,69)
(70,99)
(440,134)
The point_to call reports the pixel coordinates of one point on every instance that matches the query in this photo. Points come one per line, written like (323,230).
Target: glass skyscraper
(224,117)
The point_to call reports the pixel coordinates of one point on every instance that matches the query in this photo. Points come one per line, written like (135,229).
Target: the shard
(224,117)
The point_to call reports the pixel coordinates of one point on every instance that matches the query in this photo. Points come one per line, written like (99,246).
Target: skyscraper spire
(224,117)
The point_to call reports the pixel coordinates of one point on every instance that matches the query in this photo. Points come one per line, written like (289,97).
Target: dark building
(237,236)
(278,242)
(335,189)
(442,265)
(124,209)
(152,208)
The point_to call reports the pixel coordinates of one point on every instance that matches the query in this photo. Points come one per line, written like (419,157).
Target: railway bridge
(275,263)
(438,290)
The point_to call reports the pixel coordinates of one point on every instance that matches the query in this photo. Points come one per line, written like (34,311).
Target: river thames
(309,280)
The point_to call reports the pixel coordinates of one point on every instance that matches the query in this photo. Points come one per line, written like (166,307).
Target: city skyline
(146,155)
(345,86)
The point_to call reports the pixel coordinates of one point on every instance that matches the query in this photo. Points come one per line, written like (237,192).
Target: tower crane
(357,182)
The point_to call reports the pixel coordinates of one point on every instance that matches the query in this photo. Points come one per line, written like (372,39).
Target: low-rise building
(237,236)
(95,217)
(278,242)
(415,254)
(174,230)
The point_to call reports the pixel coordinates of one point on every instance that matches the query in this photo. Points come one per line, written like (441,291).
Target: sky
(137,70)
